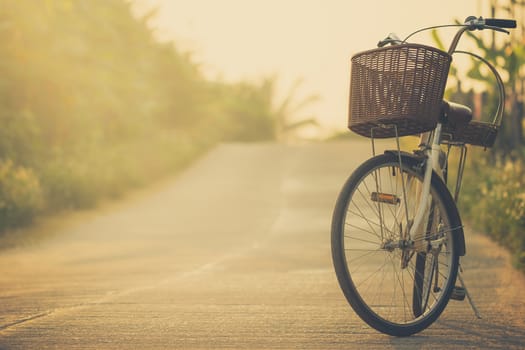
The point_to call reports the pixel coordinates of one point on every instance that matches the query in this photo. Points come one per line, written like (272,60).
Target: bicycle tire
(423,272)
(356,220)
(422,283)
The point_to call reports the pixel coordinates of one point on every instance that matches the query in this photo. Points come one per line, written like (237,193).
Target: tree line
(92,105)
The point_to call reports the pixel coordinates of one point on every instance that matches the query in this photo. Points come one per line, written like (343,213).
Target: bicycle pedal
(385,198)
(458,293)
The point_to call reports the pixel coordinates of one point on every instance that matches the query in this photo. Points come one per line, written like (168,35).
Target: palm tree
(286,117)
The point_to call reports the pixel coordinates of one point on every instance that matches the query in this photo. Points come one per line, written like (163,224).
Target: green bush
(81,180)
(493,198)
(20,195)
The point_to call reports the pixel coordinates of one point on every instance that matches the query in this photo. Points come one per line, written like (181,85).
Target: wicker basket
(398,85)
(476,133)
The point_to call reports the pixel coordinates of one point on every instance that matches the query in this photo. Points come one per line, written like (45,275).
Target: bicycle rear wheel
(397,284)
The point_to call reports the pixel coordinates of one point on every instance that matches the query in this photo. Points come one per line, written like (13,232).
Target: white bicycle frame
(431,164)
(431,141)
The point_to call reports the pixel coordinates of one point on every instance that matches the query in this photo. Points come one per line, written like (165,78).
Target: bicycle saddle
(456,114)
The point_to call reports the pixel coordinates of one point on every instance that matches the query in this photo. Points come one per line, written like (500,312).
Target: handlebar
(471,23)
(489,23)
(502,23)
(391,39)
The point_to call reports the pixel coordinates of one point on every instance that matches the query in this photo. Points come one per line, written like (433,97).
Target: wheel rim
(381,258)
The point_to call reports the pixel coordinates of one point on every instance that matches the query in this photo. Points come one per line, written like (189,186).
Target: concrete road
(234,253)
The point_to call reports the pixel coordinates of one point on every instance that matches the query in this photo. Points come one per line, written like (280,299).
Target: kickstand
(471,302)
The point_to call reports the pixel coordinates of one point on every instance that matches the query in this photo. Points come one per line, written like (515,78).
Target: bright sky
(308,39)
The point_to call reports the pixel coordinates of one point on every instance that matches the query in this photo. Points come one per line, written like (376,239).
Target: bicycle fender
(416,162)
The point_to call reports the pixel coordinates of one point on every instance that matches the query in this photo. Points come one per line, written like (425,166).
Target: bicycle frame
(431,164)
(430,145)
(431,141)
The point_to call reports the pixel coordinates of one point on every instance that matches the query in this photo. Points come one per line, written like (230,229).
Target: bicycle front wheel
(397,283)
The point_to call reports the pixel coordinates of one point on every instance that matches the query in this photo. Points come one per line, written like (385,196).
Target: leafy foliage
(493,192)
(493,196)
(91,105)
(20,193)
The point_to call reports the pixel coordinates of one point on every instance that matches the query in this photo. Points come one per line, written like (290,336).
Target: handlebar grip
(501,23)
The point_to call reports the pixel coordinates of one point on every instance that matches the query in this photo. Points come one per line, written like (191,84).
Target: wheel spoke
(373,260)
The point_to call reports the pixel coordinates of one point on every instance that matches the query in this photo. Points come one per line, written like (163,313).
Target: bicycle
(396,234)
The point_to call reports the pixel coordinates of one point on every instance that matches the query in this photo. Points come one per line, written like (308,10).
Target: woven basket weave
(400,85)
(476,133)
